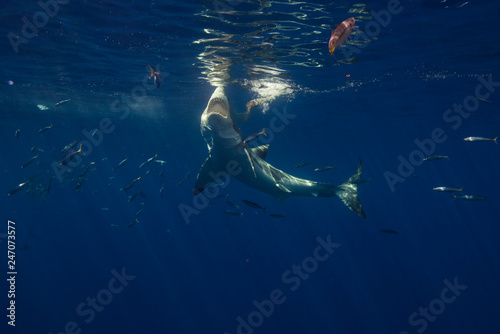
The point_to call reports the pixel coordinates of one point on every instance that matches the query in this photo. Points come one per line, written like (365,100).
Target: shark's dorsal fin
(204,179)
(261,151)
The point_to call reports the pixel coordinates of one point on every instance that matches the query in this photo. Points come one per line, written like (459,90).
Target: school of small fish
(76,167)
(452,190)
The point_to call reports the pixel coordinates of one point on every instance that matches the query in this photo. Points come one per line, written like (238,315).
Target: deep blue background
(199,277)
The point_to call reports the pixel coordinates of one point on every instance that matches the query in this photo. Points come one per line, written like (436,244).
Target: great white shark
(228,153)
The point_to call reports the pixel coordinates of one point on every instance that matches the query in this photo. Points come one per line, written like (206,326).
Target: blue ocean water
(414,80)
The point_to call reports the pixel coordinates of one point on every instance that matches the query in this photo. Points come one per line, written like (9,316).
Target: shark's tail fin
(348,192)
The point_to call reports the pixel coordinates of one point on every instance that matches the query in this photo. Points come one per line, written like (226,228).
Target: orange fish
(158,79)
(340,34)
(253,137)
(67,159)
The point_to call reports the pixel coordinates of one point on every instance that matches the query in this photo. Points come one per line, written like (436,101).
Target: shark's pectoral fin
(204,177)
(281,197)
(261,151)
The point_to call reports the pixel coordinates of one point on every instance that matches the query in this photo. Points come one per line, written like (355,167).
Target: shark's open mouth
(218,106)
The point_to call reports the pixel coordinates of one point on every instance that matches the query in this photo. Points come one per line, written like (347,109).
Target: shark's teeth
(218,106)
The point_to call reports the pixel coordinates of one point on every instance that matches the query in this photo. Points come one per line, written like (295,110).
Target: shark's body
(229,153)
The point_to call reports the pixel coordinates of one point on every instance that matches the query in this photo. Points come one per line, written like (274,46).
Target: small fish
(80,183)
(184,179)
(70,146)
(86,169)
(222,195)
(104,209)
(30,160)
(132,223)
(161,190)
(253,205)
(484,100)
(254,136)
(114,225)
(436,157)
(217,185)
(471,197)
(234,213)
(16,134)
(231,204)
(149,171)
(147,162)
(42,107)
(131,184)
(272,215)
(61,102)
(42,130)
(390,231)
(158,79)
(340,34)
(49,185)
(93,133)
(67,159)
(447,189)
(303,164)
(134,195)
(323,169)
(481,139)
(19,187)
(162,162)
(138,213)
(121,163)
